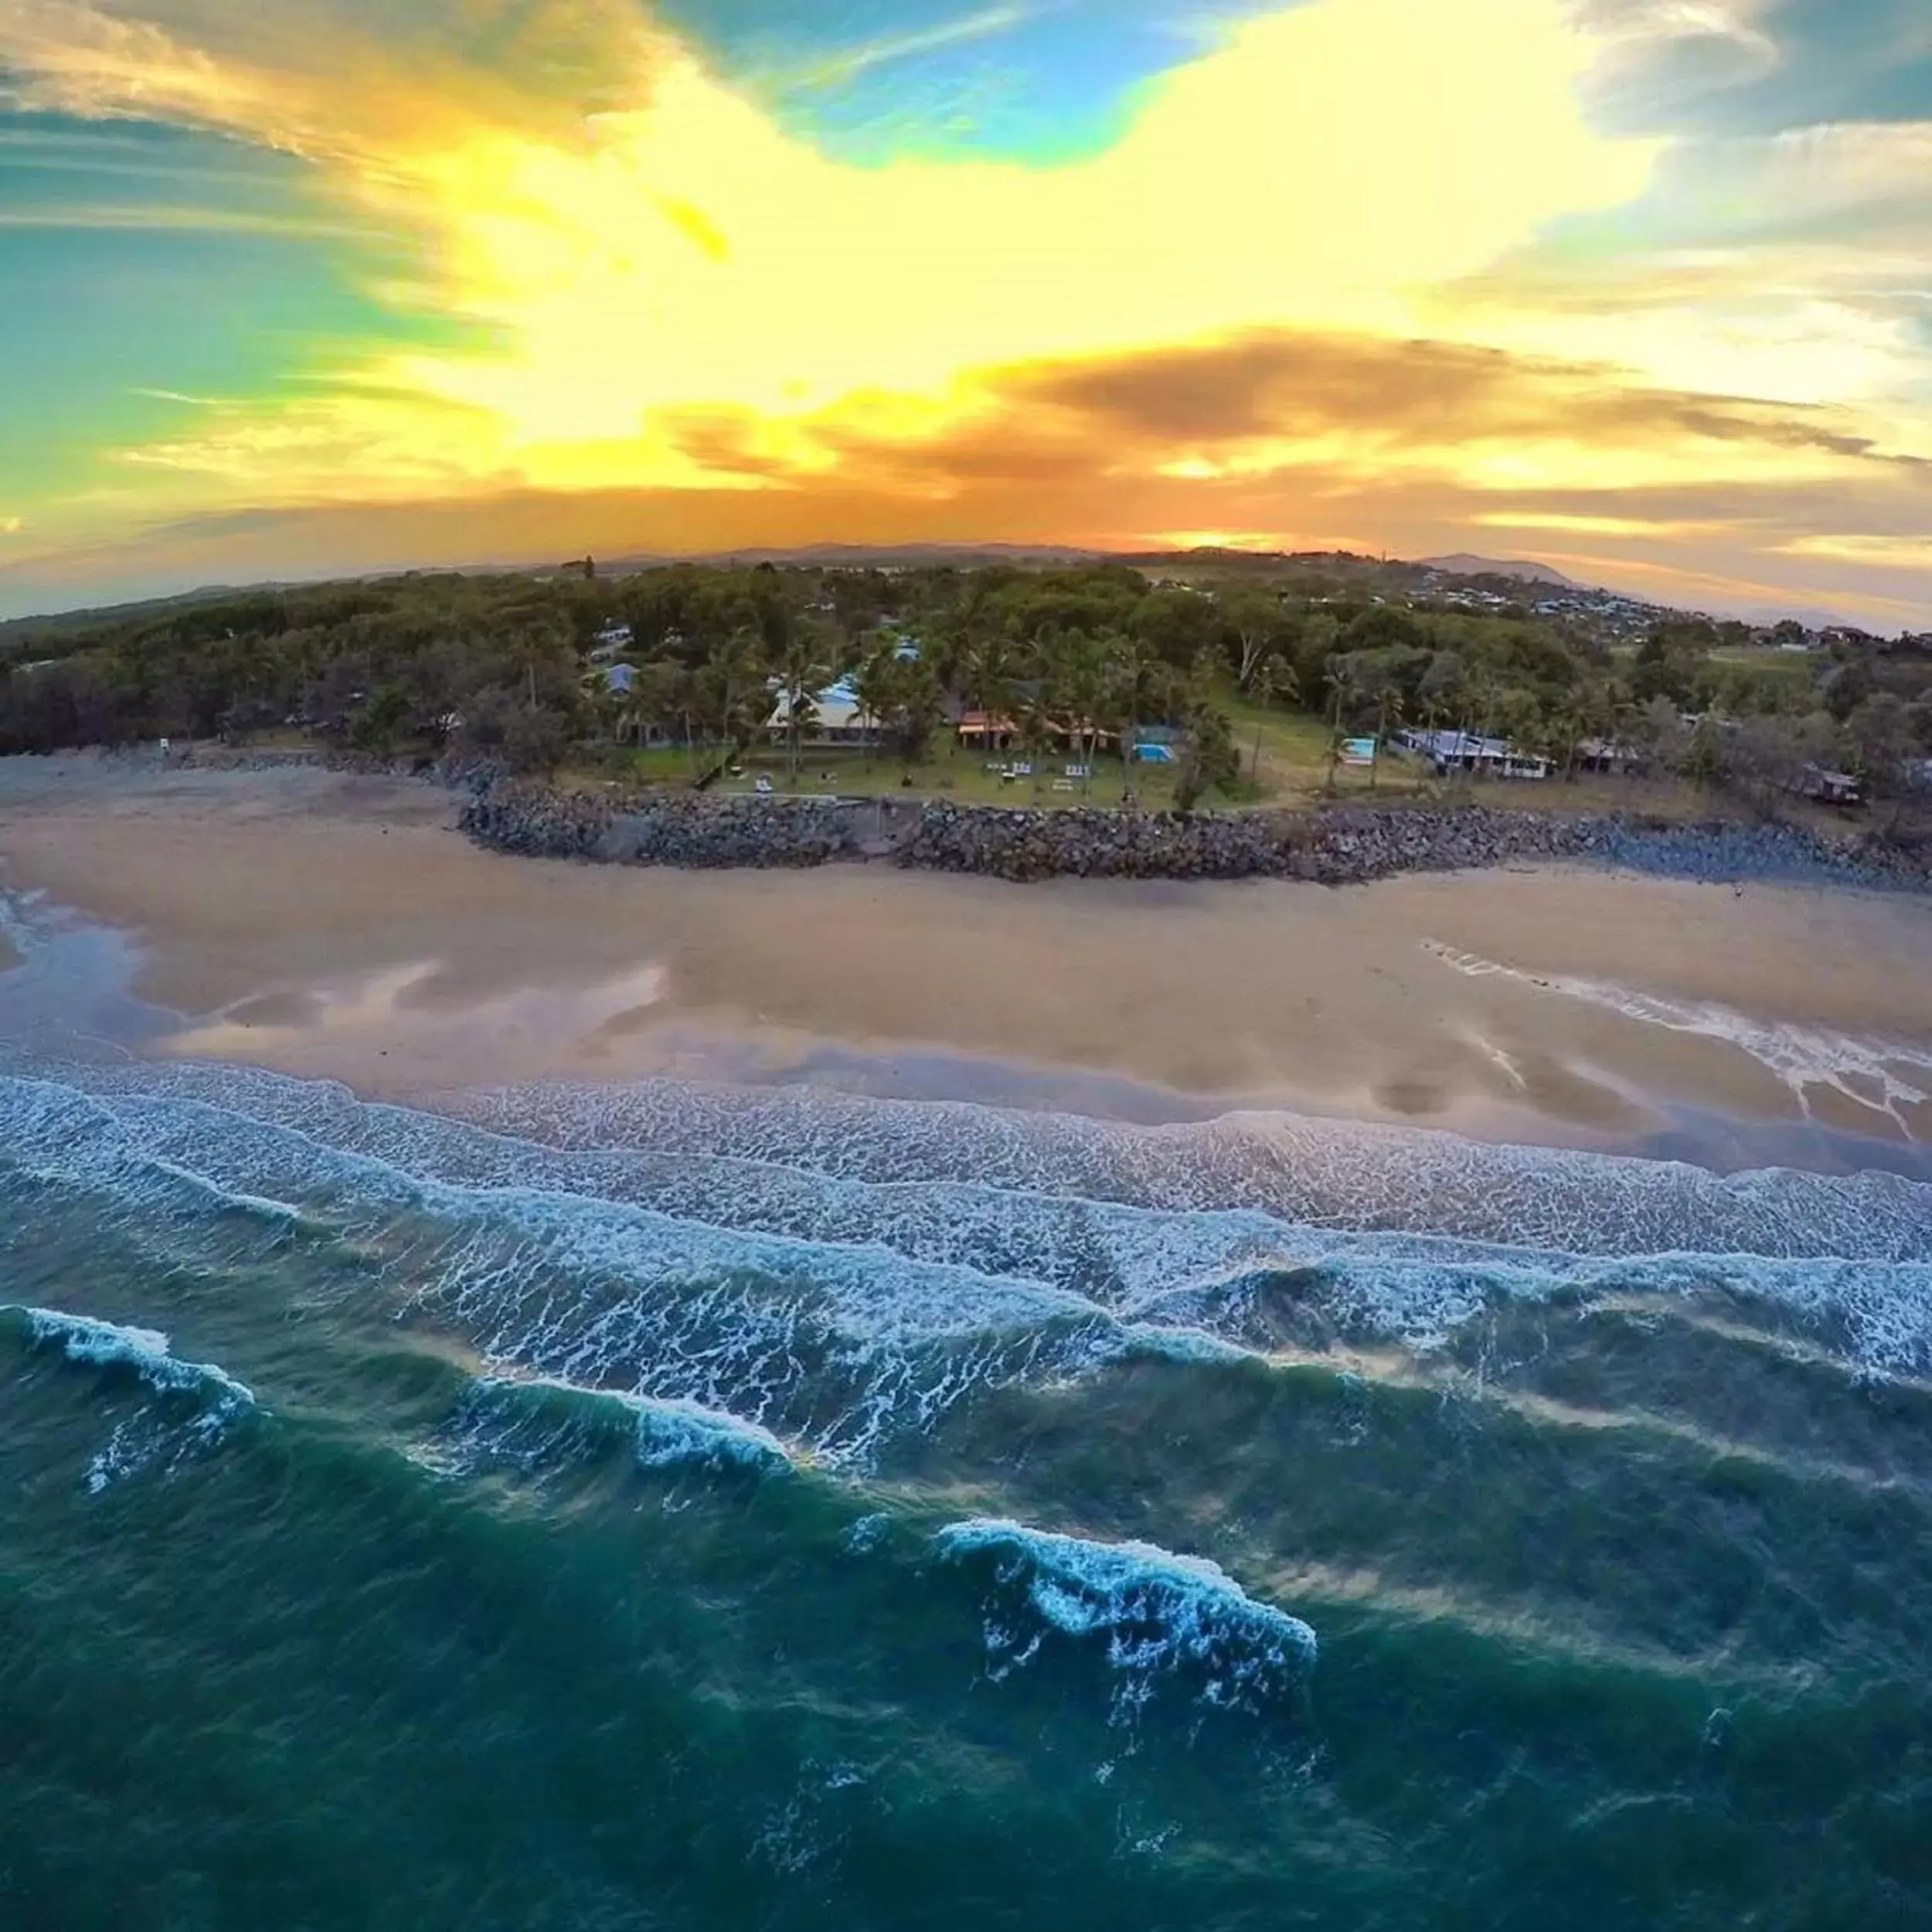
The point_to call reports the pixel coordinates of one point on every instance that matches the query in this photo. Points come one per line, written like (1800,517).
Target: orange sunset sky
(1638,287)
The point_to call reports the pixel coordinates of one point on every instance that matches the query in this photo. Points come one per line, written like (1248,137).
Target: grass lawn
(1293,764)
(950,773)
(953,773)
(1293,772)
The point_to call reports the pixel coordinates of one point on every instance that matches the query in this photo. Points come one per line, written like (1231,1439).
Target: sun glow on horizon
(656,285)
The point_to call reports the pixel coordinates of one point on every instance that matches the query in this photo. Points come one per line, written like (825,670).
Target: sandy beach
(328,925)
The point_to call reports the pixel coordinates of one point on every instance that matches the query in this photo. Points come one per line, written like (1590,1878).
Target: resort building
(834,717)
(993,731)
(1829,787)
(1607,754)
(1449,751)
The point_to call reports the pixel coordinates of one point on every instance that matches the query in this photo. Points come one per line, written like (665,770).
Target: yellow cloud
(1892,553)
(1318,169)
(680,295)
(1579,525)
(680,250)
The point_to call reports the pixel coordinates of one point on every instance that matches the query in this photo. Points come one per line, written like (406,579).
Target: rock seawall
(679,828)
(1337,846)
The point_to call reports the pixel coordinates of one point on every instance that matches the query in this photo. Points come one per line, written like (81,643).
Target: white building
(1463,751)
(835,717)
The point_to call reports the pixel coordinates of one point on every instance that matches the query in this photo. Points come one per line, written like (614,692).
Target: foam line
(838,1308)
(1886,1076)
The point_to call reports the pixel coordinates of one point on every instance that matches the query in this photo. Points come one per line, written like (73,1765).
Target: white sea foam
(1886,1076)
(675,1431)
(666,1430)
(693,1244)
(149,1436)
(1161,1614)
(82,1338)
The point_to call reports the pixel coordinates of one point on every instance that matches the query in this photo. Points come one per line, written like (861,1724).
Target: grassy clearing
(949,772)
(1292,771)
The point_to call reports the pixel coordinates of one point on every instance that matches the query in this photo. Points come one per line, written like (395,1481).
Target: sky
(1639,288)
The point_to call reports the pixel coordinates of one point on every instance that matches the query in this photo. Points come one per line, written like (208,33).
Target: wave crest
(1162,1614)
(149,1437)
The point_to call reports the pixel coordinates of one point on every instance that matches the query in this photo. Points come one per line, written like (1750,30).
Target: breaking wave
(839,1273)
(81,1338)
(152,1435)
(534,1421)
(1161,1616)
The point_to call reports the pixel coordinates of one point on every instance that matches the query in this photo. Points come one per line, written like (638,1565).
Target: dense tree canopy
(512,665)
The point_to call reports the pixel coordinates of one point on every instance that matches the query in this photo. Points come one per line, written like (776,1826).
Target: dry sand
(326,925)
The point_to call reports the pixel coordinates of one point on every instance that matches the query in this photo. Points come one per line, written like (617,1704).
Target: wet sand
(331,925)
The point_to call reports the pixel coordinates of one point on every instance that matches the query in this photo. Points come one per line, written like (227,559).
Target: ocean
(679,1505)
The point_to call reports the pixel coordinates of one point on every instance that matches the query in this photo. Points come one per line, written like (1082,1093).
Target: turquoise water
(677,1506)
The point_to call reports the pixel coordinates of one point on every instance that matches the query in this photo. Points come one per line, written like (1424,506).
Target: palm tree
(1036,726)
(1388,711)
(730,680)
(1143,689)
(801,671)
(1085,690)
(876,683)
(660,696)
(1480,695)
(992,666)
(1040,695)
(1343,674)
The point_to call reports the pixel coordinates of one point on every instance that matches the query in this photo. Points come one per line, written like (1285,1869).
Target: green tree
(1344,676)
(1664,667)
(1439,691)
(1884,744)
(1083,688)
(1034,701)
(1253,620)
(877,681)
(730,690)
(1143,683)
(1208,754)
(1702,760)
(381,721)
(801,671)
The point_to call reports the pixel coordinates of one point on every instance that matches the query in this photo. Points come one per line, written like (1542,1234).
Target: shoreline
(329,925)
(1331,845)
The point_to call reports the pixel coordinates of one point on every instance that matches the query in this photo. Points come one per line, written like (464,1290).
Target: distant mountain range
(858,556)
(928,555)
(1463,565)
(1371,571)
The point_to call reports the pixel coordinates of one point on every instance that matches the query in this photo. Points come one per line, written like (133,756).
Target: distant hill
(860,556)
(1462,565)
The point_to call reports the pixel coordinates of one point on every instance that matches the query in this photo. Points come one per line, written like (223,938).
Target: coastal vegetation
(1173,682)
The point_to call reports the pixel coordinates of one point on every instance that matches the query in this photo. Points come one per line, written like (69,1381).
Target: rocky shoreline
(1338,845)
(1332,844)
